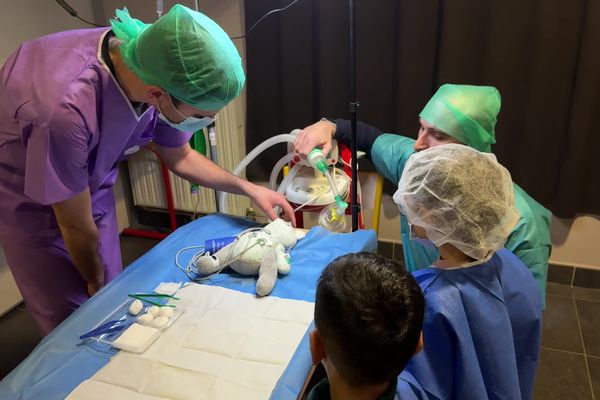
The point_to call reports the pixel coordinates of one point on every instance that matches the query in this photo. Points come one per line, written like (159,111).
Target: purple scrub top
(65,124)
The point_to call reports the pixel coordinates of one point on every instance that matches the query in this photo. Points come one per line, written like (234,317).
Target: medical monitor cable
(71,11)
(191,270)
(263,17)
(74,13)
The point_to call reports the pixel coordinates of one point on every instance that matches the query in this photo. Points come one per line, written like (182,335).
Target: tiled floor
(18,336)
(569,367)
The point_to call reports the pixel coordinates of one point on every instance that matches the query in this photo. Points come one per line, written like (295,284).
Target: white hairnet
(459,196)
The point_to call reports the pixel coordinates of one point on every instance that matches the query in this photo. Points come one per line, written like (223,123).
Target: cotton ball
(160,322)
(154,311)
(166,312)
(136,307)
(145,319)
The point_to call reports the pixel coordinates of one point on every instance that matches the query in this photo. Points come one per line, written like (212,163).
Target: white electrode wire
(316,196)
(191,270)
(263,17)
(187,269)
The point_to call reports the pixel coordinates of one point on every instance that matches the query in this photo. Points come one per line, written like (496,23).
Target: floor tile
(559,289)
(19,335)
(594,366)
(133,248)
(386,249)
(561,376)
(586,294)
(560,274)
(561,331)
(589,278)
(589,317)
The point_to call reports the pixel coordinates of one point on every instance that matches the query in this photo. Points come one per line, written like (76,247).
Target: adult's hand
(195,167)
(319,134)
(267,200)
(93,286)
(79,231)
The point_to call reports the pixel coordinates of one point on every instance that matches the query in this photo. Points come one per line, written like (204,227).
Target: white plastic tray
(121,313)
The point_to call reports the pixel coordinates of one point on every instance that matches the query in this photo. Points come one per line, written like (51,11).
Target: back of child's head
(369,314)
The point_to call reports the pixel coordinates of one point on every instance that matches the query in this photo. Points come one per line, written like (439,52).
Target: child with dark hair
(368,318)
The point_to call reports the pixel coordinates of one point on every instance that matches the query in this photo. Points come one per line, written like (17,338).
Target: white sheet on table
(227,345)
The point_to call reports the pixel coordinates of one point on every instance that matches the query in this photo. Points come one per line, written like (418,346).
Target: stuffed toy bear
(261,252)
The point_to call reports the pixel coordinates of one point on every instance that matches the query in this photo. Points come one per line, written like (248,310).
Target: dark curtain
(543,56)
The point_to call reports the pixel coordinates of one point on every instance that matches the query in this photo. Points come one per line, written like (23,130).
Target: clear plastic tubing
(332,184)
(291,175)
(283,138)
(275,172)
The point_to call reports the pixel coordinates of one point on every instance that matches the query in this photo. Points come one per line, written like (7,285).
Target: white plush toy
(261,252)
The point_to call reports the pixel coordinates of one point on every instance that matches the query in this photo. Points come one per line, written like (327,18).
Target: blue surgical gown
(409,388)
(481,332)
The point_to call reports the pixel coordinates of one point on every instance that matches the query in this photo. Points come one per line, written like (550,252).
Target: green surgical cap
(185,53)
(467,113)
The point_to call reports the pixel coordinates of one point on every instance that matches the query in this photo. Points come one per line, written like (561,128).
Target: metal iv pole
(353,116)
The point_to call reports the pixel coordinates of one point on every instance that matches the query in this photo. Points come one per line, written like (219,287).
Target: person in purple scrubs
(72,106)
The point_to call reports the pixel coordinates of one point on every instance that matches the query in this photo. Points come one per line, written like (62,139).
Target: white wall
(20,21)
(576,241)
(23,20)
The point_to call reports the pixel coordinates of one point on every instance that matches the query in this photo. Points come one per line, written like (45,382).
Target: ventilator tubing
(283,138)
(278,166)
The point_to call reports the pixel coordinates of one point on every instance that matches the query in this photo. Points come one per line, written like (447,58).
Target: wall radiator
(147,183)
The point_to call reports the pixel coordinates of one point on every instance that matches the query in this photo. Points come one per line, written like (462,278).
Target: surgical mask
(189,124)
